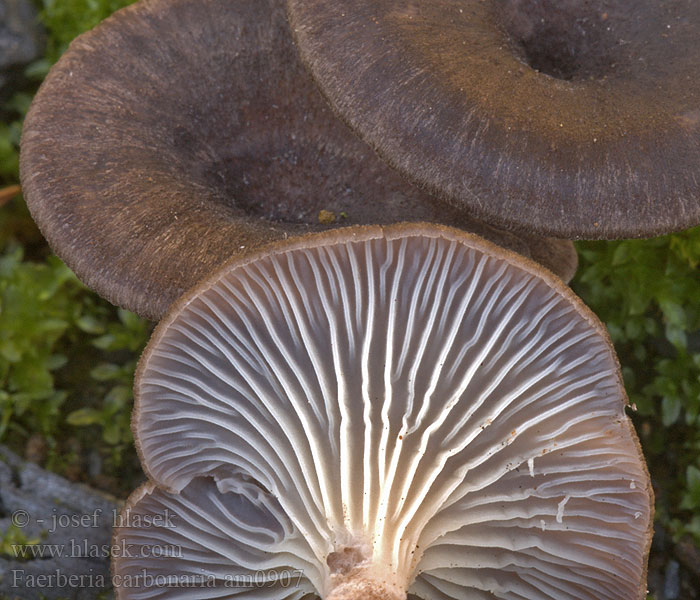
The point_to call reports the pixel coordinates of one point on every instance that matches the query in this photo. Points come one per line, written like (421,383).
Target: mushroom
(385,411)
(179,133)
(568,118)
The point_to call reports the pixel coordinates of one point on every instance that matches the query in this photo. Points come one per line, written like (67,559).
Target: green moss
(9,151)
(14,544)
(36,302)
(647,292)
(66,19)
(52,328)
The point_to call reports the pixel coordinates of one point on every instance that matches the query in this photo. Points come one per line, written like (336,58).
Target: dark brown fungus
(574,119)
(180,133)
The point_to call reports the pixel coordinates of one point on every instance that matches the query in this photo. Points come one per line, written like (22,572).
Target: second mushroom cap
(568,118)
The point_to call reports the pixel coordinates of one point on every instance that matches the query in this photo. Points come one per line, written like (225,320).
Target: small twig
(9,192)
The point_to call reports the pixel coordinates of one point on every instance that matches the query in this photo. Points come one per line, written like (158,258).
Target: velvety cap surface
(574,119)
(408,400)
(180,133)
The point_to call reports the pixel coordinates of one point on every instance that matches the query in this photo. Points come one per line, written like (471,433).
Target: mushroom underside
(409,406)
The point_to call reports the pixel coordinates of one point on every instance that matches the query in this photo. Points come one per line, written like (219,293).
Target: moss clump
(647,293)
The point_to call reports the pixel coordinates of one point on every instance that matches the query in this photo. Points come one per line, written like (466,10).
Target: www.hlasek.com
(144,580)
(77,548)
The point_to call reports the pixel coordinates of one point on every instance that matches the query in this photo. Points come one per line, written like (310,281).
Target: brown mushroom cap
(179,133)
(415,409)
(574,119)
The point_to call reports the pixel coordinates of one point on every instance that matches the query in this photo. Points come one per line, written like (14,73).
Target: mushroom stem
(368,583)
